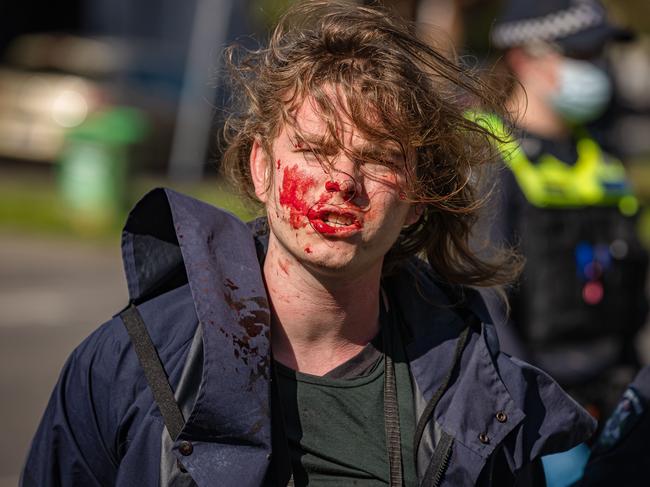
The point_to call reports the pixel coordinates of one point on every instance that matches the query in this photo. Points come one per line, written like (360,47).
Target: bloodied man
(338,339)
(334,210)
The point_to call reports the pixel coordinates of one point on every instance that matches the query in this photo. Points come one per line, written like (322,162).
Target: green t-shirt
(335,424)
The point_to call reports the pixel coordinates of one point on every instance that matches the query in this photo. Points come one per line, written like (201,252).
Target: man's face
(326,208)
(578,90)
(538,69)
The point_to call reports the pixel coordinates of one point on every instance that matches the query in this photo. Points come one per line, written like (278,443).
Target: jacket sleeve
(72,446)
(621,455)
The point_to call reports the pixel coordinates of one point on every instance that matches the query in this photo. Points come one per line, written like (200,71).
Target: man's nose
(345,180)
(343,184)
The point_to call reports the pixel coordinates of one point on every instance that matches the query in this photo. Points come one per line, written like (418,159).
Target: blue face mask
(583,93)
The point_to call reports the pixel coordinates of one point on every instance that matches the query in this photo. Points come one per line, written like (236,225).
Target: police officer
(566,203)
(621,454)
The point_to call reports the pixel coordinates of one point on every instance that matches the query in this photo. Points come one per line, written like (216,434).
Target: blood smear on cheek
(307,250)
(277,164)
(295,185)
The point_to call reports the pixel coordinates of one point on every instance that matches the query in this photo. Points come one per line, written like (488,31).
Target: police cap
(575,26)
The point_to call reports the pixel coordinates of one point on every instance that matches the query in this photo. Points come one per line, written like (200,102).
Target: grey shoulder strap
(153,370)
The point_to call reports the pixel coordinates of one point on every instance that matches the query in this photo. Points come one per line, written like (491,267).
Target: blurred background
(102,100)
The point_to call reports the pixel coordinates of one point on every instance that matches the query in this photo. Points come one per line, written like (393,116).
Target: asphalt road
(53,293)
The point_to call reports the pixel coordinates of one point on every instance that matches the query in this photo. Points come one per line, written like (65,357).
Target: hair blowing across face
(395,89)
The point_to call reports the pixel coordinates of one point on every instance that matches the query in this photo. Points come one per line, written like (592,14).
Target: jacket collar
(217,257)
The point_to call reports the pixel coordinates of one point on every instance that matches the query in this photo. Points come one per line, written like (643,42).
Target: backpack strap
(153,370)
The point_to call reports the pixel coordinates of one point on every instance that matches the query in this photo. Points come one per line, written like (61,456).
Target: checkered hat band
(549,27)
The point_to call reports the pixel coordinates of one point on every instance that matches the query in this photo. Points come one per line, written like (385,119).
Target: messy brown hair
(396,89)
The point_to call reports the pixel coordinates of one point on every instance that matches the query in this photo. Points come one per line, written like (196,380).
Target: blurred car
(53,83)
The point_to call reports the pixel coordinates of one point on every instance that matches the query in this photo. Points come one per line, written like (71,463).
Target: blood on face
(298,193)
(332,186)
(295,186)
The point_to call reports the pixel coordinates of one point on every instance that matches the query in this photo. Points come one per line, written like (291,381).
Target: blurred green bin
(94,166)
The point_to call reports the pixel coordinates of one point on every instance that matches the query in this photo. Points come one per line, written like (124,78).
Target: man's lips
(330,221)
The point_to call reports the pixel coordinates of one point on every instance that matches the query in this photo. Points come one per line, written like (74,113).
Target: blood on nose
(332,186)
(347,188)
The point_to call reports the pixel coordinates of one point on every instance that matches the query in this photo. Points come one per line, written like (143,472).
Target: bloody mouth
(324,218)
(331,222)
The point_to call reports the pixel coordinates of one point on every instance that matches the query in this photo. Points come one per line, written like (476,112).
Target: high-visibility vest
(596,179)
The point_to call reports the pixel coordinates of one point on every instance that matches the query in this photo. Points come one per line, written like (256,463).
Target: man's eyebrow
(316,142)
(326,144)
(382,153)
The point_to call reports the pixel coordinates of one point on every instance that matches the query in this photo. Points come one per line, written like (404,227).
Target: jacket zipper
(441,468)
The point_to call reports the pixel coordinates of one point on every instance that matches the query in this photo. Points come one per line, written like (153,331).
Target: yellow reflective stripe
(552,183)
(528,178)
(513,156)
(587,188)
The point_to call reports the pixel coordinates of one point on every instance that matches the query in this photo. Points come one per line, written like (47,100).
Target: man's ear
(260,171)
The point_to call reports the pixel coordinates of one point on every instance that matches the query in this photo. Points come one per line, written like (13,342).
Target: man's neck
(318,322)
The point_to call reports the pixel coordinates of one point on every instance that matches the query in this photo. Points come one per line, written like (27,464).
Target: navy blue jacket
(194,273)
